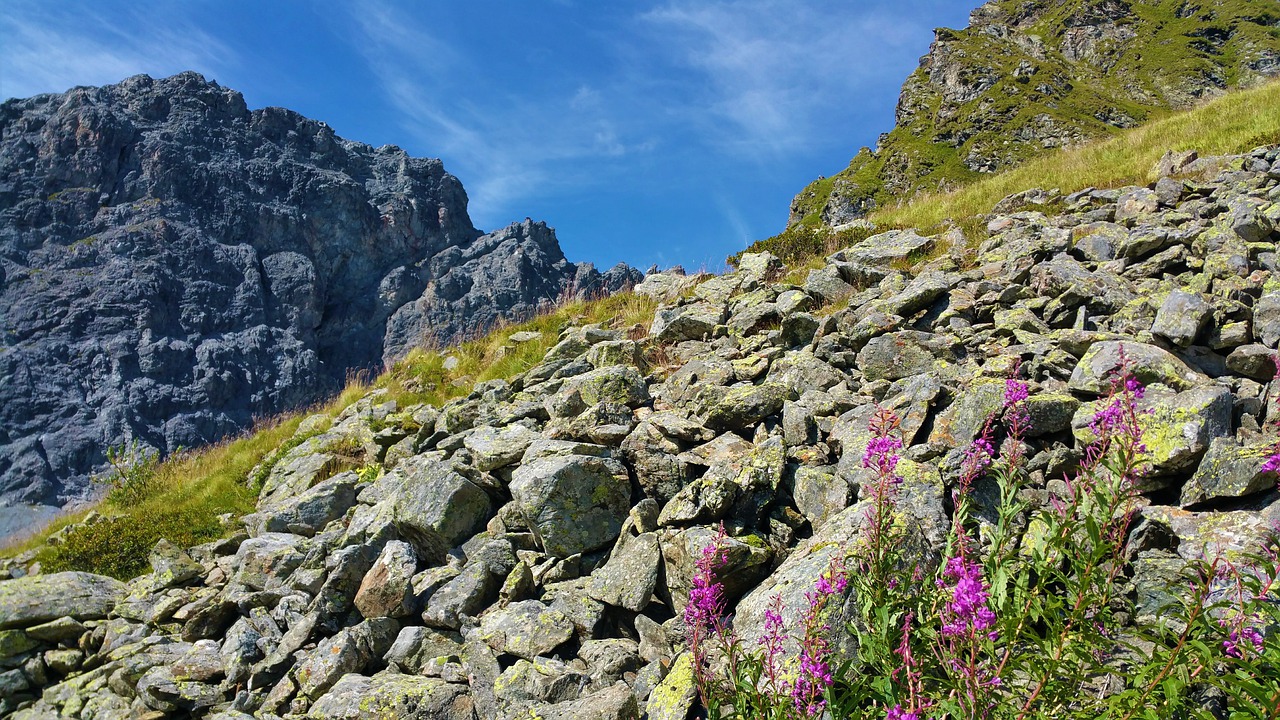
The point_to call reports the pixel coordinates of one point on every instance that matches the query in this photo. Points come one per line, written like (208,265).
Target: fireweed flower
(814,673)
(1234,645)
(1015,391)
(882,454)
(897,713)
(773,640)
(967,613)
(704,612)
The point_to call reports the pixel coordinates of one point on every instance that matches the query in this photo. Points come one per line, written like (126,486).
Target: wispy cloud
(776,69)
(506,144)
(749,81)
(50,49)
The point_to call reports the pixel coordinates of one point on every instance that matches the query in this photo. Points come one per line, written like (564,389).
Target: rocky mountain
(1031,75)
(530,549)
(174,265)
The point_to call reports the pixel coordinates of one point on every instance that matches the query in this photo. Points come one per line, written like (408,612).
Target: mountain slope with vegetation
(560,520)
(1029,76)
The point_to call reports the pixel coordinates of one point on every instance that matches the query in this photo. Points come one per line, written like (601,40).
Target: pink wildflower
(1015,391)
(968,612)
(897,713)
(1234,644)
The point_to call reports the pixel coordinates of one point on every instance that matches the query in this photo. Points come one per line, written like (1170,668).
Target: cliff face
(174,265)
(1031,75)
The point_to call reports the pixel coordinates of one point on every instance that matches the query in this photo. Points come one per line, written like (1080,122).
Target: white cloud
(776,68)
(685,86)
(47,49)
(505,145)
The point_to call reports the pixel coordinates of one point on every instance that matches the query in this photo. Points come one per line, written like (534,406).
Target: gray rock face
(173,265)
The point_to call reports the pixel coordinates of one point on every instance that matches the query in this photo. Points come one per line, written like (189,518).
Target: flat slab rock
(392,695)
(38,599)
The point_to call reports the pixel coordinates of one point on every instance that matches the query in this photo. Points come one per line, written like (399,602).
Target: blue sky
(671,132)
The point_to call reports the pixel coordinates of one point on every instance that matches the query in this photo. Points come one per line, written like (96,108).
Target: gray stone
(347,652)
(629,578)
(435,507)
(1150,364)
(820,494)
(308,512)
(1136,204)
(1177,429)
(1266,319)
(1227,470)
(170,566)
(466,594)
(1253,361)
(573,503)
(265,562)
(160,689)
(745,405)
(613,703)
(390,695)
(827,284)
(1182,317)
(525,629)
(690,322)
(541,680)
(886,248)
(416,646)
(745,562)
(37,599)
(1049,413)
(902,354)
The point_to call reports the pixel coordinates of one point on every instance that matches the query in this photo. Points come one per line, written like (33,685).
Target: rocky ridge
(1026,77)
(529,548)
(174,265)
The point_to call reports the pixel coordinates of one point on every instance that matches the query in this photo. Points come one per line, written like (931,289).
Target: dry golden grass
(191,489)
(1233,123)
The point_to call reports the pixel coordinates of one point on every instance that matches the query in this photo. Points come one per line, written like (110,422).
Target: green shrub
(120,546)
(132,478)
(802,242)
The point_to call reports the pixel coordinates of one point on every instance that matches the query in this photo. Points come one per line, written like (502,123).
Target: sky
(645,132)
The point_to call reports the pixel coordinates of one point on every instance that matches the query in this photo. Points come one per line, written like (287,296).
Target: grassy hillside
(1232,123)
(1026,78)
(183,497)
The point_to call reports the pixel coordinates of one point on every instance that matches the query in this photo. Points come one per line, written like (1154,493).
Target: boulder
(391,695)
(902,354)
(347,652)
(37,599)
(629,578)
(573,503)
(1181,318)
(1227,471)
(525,629)
(387,589)
(435,507)
(1101,364)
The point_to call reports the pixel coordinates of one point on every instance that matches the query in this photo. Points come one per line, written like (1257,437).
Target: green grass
(421,376)
(1142,81)
(1233,123)
(189,491)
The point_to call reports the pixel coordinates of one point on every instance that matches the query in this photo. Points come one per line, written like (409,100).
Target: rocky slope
(530,547)
(174,265)
(1026,76)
